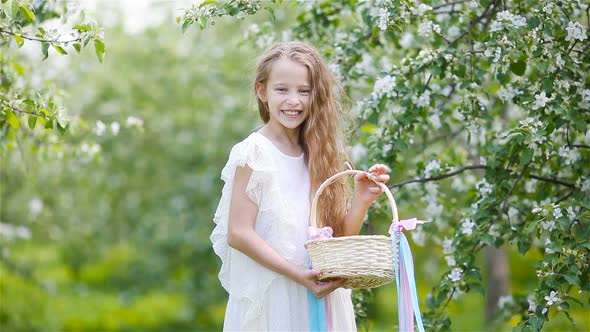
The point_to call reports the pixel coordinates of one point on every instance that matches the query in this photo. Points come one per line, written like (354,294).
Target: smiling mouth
(292,113)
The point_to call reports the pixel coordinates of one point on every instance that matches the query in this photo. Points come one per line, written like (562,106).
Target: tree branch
(439,177)
(556,181)
(55,41)
(451,3)
(474,23)
(579,146)
(503,202)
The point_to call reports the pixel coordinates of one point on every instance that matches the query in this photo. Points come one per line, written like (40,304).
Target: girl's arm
(243,237)
(365,192)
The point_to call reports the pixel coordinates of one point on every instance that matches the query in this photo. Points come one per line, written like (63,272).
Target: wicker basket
(364,261)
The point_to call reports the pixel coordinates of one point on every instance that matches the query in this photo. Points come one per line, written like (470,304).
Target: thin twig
(451,3)
(474,23)
(503,202)
(439,177)
(556,181)
(55,41)
(565,197)
(580,146)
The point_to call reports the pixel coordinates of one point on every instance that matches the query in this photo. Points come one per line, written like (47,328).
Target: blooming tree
(482,109)
(25,100)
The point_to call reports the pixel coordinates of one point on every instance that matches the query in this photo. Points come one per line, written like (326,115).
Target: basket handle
(313,217)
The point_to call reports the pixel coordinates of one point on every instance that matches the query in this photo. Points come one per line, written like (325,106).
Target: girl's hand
(319,289)
(365,189)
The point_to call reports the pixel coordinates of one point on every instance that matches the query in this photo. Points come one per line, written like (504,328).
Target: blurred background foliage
(117,240)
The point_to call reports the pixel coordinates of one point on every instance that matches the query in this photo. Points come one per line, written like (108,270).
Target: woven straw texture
(364,261)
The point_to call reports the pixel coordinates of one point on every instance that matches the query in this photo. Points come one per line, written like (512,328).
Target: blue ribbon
(405,263)
(317,313)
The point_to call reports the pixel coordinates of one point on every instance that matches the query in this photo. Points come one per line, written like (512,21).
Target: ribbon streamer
(407,300)
(320,317)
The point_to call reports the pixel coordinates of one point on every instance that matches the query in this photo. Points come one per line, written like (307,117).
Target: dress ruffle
(243,278)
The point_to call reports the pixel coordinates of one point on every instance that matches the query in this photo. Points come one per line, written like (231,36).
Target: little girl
(270,178)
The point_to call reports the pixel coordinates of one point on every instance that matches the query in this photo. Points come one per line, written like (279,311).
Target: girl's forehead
(288,71)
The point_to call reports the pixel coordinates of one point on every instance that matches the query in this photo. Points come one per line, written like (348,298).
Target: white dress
(260,299)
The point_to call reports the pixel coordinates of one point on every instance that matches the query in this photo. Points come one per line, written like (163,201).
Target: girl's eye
(305,92)
(281,89)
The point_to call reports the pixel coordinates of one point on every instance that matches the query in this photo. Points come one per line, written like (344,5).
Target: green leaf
(272,13)
(77,47)
(41,30)
(28,13)
(81,28)
(527,156)
(59,49)
(487,239)
(186,24)
(19,40)
(32,121)
(99,49)
(518,68)
(502,78)
(572,279)
(537,322)
(11,8)
(45,50)
(12,119)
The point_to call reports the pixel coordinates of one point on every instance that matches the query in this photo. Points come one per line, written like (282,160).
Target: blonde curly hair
(322,134)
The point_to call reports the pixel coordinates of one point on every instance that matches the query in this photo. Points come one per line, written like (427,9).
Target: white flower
(585,104)
(100,128)
(570,156)
(384,87)
(134,122)
(35,206)
(571,214)
(406,41)
(547,249)
(506,93)
(421,9)
(434,119)
(512,212)
(529,186)
(426,27)
(544,311)
(505,300)
(432,166)
(548,225)
(575,31)
(423,100)
(584,184)
(559,61)
(455,274)
(541,100)
(450,261)
(115,126)
(454,32)
(552,298)
(386,148)
(467,226)
(383,19)
(484,187)
(505,19)
(447,246)
(557,212)
(334,68)
(537,210)
(532,303)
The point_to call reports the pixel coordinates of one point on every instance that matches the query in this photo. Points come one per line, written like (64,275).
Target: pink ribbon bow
(407,224)
(320,233)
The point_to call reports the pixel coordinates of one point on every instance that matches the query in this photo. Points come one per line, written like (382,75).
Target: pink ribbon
(320,233)
(407,224)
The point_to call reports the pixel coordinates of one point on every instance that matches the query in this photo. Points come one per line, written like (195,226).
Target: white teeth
(291,113)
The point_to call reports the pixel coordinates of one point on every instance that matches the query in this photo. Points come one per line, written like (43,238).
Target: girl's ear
(260,93)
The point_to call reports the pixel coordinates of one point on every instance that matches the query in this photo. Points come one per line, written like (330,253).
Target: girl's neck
(286,138)
(289,137)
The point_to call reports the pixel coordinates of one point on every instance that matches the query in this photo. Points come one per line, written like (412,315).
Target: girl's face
(288,93)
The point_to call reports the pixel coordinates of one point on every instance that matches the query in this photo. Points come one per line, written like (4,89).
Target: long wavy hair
(322,134)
